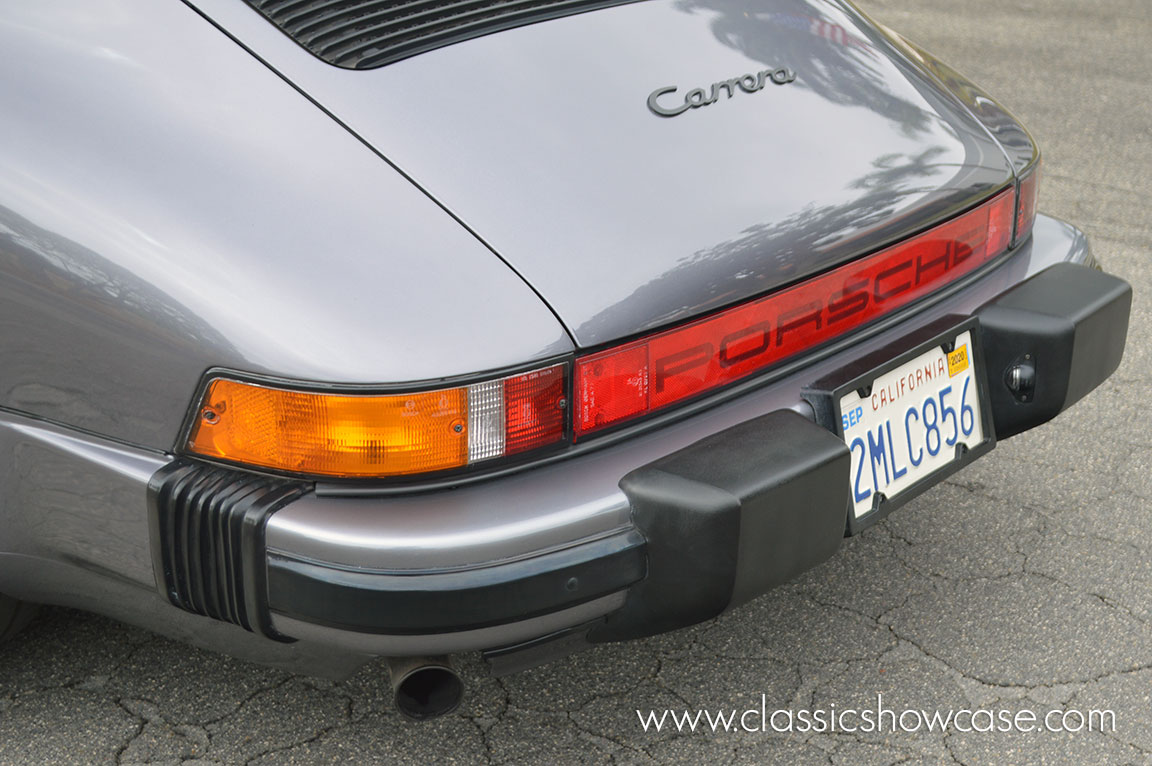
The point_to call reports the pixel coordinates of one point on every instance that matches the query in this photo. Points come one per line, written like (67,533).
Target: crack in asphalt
(323,732)
(248,698)
(118,755)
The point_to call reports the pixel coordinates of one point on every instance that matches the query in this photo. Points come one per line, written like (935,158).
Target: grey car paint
(540,139)
(167,205)
(1017,143)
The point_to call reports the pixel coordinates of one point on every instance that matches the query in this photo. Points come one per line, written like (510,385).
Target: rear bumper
(732,515)
(649,535)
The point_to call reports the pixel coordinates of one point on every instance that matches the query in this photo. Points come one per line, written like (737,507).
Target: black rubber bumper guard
(716,523)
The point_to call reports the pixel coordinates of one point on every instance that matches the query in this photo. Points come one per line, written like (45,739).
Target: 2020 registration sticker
(912,421)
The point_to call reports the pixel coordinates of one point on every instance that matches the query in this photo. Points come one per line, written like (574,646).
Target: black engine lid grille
(360,34)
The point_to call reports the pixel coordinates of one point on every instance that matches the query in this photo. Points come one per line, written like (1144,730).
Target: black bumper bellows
(207,527)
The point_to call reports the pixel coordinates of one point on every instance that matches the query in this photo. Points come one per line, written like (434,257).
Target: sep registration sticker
(958,361)
(911,422)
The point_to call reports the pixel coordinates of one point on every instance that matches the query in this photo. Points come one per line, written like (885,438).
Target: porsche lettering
(755,344)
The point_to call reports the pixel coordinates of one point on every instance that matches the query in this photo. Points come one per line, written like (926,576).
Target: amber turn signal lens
(332,434)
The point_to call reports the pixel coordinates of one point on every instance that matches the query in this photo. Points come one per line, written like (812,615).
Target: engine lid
(645,163)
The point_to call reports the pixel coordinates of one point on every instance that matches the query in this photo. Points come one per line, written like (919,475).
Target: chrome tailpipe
(425,687)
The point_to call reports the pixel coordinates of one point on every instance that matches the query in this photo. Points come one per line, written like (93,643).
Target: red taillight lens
(534,409)
(1026,209)
(613,386)
(654,372)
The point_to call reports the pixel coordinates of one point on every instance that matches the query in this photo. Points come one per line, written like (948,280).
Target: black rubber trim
(517,658)
(207,527)
(367,601)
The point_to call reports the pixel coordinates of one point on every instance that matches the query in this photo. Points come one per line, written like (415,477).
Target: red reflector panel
(534,409)
(611,386)
(1026,211)
(654,372)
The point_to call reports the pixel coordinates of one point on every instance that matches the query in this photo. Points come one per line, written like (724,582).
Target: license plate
(912,421)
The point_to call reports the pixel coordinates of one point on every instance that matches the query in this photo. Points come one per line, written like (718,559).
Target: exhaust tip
(425,687)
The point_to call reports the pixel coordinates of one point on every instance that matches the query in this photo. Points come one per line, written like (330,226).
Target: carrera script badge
(698,97)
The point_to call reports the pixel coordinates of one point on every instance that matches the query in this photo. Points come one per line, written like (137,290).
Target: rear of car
(463,337)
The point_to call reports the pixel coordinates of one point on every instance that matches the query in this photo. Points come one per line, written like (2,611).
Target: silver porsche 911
(342,329)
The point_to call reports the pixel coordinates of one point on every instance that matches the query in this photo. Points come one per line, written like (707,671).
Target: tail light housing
(346,434)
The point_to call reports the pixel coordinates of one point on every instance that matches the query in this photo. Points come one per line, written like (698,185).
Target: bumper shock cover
(1049,341)
(730,517)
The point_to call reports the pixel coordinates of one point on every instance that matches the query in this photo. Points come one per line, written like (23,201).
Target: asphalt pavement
(1023,583)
